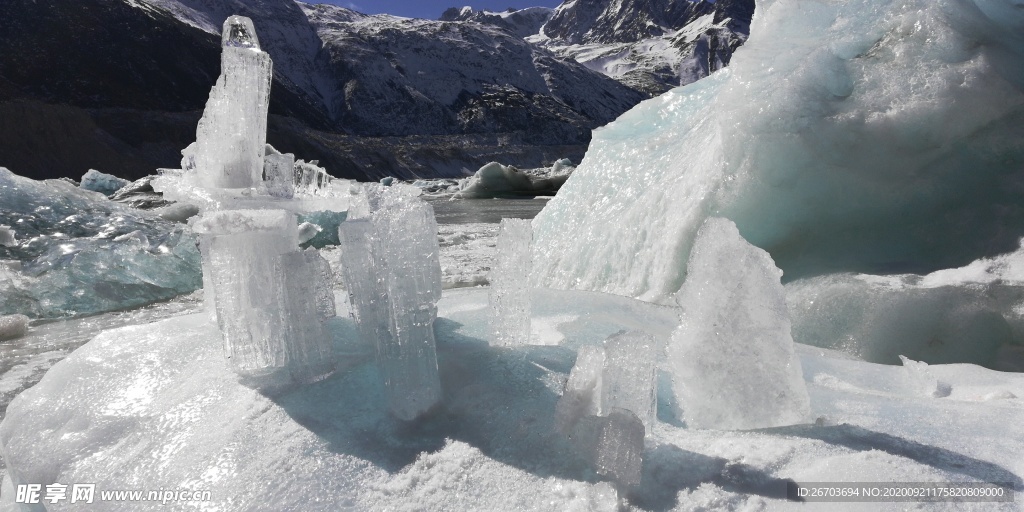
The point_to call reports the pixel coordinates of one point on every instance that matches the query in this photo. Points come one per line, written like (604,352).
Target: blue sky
(431,9)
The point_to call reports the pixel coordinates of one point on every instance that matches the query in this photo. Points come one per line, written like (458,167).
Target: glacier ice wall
(972,314)
(862,135)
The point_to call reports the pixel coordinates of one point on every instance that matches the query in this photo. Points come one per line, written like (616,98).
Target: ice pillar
(270,298)
(509,295)
(229,146)
(393,274)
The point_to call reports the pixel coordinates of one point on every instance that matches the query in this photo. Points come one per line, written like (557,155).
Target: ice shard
(229,147)
(241,251)
(732,356)
(620,448)
(922,381)
(408,358)
(616,375)
(509,295)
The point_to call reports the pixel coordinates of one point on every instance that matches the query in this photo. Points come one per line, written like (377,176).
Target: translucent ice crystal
(617,375)
(239,33)
(922,381)
(279,174)
(309,352)
(229,148)
(393,275)
(620,448)
(241,250)
(582,395)
(509,294)
(362,270)
(732,356)
(408,358)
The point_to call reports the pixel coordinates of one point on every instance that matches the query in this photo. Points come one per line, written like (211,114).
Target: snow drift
(863,135)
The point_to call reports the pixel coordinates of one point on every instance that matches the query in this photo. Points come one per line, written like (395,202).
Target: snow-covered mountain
(449,96)
(118,85)
(649,45)
(402,76)
(522,22)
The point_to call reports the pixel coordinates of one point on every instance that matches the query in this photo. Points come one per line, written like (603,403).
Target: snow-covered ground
(156,406)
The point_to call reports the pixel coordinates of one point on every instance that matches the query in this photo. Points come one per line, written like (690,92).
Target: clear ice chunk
(310,354)
(390,262)
(612,444)
(239,32)
(230,141)
(922,381)
(509,295)
(732,357)
(279,174)
(629,375)
(241,250)
(408,358)
(620,448)
(362,270)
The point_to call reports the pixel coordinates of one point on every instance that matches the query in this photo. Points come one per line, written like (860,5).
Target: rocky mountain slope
(118,85)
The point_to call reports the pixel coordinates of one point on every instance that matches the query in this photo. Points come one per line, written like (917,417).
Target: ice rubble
(733,360)
(75,258)
(865,135)
(103,417)
(510,286)
(103,183)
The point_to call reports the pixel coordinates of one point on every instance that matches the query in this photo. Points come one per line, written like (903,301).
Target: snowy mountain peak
(522,23)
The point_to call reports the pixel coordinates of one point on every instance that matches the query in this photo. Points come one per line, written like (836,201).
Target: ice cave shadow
(862,439)
(502,402)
